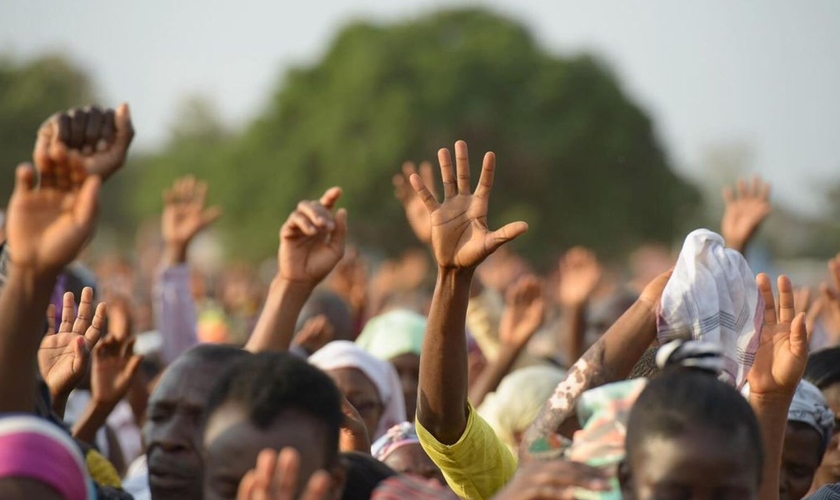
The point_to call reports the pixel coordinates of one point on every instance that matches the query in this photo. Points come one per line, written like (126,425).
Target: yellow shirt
(478,465)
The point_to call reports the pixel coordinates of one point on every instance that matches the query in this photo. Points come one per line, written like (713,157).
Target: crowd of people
(454,371)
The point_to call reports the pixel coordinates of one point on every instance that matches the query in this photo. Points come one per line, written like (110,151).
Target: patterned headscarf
(397,436)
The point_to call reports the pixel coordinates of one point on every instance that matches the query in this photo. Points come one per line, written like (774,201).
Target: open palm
(461,238)
(783,347)
(63,356)
(48,227)
(745,212)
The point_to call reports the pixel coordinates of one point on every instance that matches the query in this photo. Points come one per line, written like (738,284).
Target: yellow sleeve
(478,465)
(101,470)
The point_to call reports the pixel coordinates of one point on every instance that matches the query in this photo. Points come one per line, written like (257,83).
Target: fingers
(80,355)
(108,129)
(766,291)
(317,215)
(330,197)
(338,239)
(123,127)
(210,215)
(24,178)
(462,166)
(51,319)
(247,486)
(763,189)
(94,332)
(131,368)
(800,337)
(318,487)
(84,315)
(41,154)
(834,271)
(786,305)
(264,472)
(446,173)
(507,233)
(428,175)
(485,181)
(93,130)
(286,475)
(68,312)
(424,193)
(743,190)
(78,125)
(728,195)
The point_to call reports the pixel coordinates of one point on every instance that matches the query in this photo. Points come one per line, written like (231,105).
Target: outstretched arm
(311,244)
(461,240)
(745,212)
(610,359)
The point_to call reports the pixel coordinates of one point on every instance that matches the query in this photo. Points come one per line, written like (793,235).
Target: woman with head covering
(397,337)
(517,401)
(809,429)
(400,450)
(39,460)
(823,371)
(369,384)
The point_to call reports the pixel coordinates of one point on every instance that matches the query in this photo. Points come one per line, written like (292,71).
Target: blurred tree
(29,93)
(577,158)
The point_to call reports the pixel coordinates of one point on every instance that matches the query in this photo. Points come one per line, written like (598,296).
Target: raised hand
(745,212)
(47,228)
(312,240)
(460,236)
(276,477)
(63,357)
(184,216)
(415,209)
(524,312)
(114,367)
(830,300)
(783,347)
(85,142)
(580,273)
(554,480)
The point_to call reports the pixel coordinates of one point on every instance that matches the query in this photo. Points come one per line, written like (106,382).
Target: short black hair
(216,353)
(684,398)
(364,473)
(267,384)
(823,368)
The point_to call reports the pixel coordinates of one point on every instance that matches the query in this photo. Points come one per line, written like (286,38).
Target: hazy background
(731,87)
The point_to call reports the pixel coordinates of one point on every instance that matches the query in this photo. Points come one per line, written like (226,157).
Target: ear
(339,480)
(625,480)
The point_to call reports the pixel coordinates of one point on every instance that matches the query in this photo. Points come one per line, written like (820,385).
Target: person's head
(369,384)
(823,370)
(691,436)
(271,400)
(364,473)
(514,405)
(335,311)
(809,428)
(40,460)
(172,432)
(400,450)
(397,337)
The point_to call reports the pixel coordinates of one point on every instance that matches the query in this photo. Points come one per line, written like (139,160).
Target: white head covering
(346,354)
(809,407)
(518,399)
(712,296)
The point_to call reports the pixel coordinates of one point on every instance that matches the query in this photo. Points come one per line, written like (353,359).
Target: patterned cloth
(712,296)
(396,437)
(809,407)
(828,492)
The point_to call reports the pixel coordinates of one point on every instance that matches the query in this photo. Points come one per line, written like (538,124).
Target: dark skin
(21,488)
(700,464)
(800,459)
(408,369)
(232,444)
(361,392)
(173,428)
(411,459)
(461,240)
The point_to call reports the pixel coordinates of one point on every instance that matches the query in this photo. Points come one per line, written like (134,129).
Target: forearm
(94,417)
(772,416)
(442,404)
(610,359)
(175,311)
(23,303)
(492,376)
(174,253)
(59,404)
(276,325)
(572,330)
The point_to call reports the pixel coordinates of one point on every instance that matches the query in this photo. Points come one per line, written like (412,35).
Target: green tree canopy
(577,158)
(29,93)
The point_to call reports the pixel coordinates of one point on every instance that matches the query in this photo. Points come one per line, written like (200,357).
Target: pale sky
(761,72)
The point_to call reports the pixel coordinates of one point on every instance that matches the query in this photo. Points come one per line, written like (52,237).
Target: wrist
(281,286)
(778,400)
(175,252)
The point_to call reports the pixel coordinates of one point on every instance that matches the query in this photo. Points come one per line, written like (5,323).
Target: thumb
(330,197)
(87,201)
(125,130)
(24,178)
(507,233)
(80,354)
(210,215)
(339,235)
